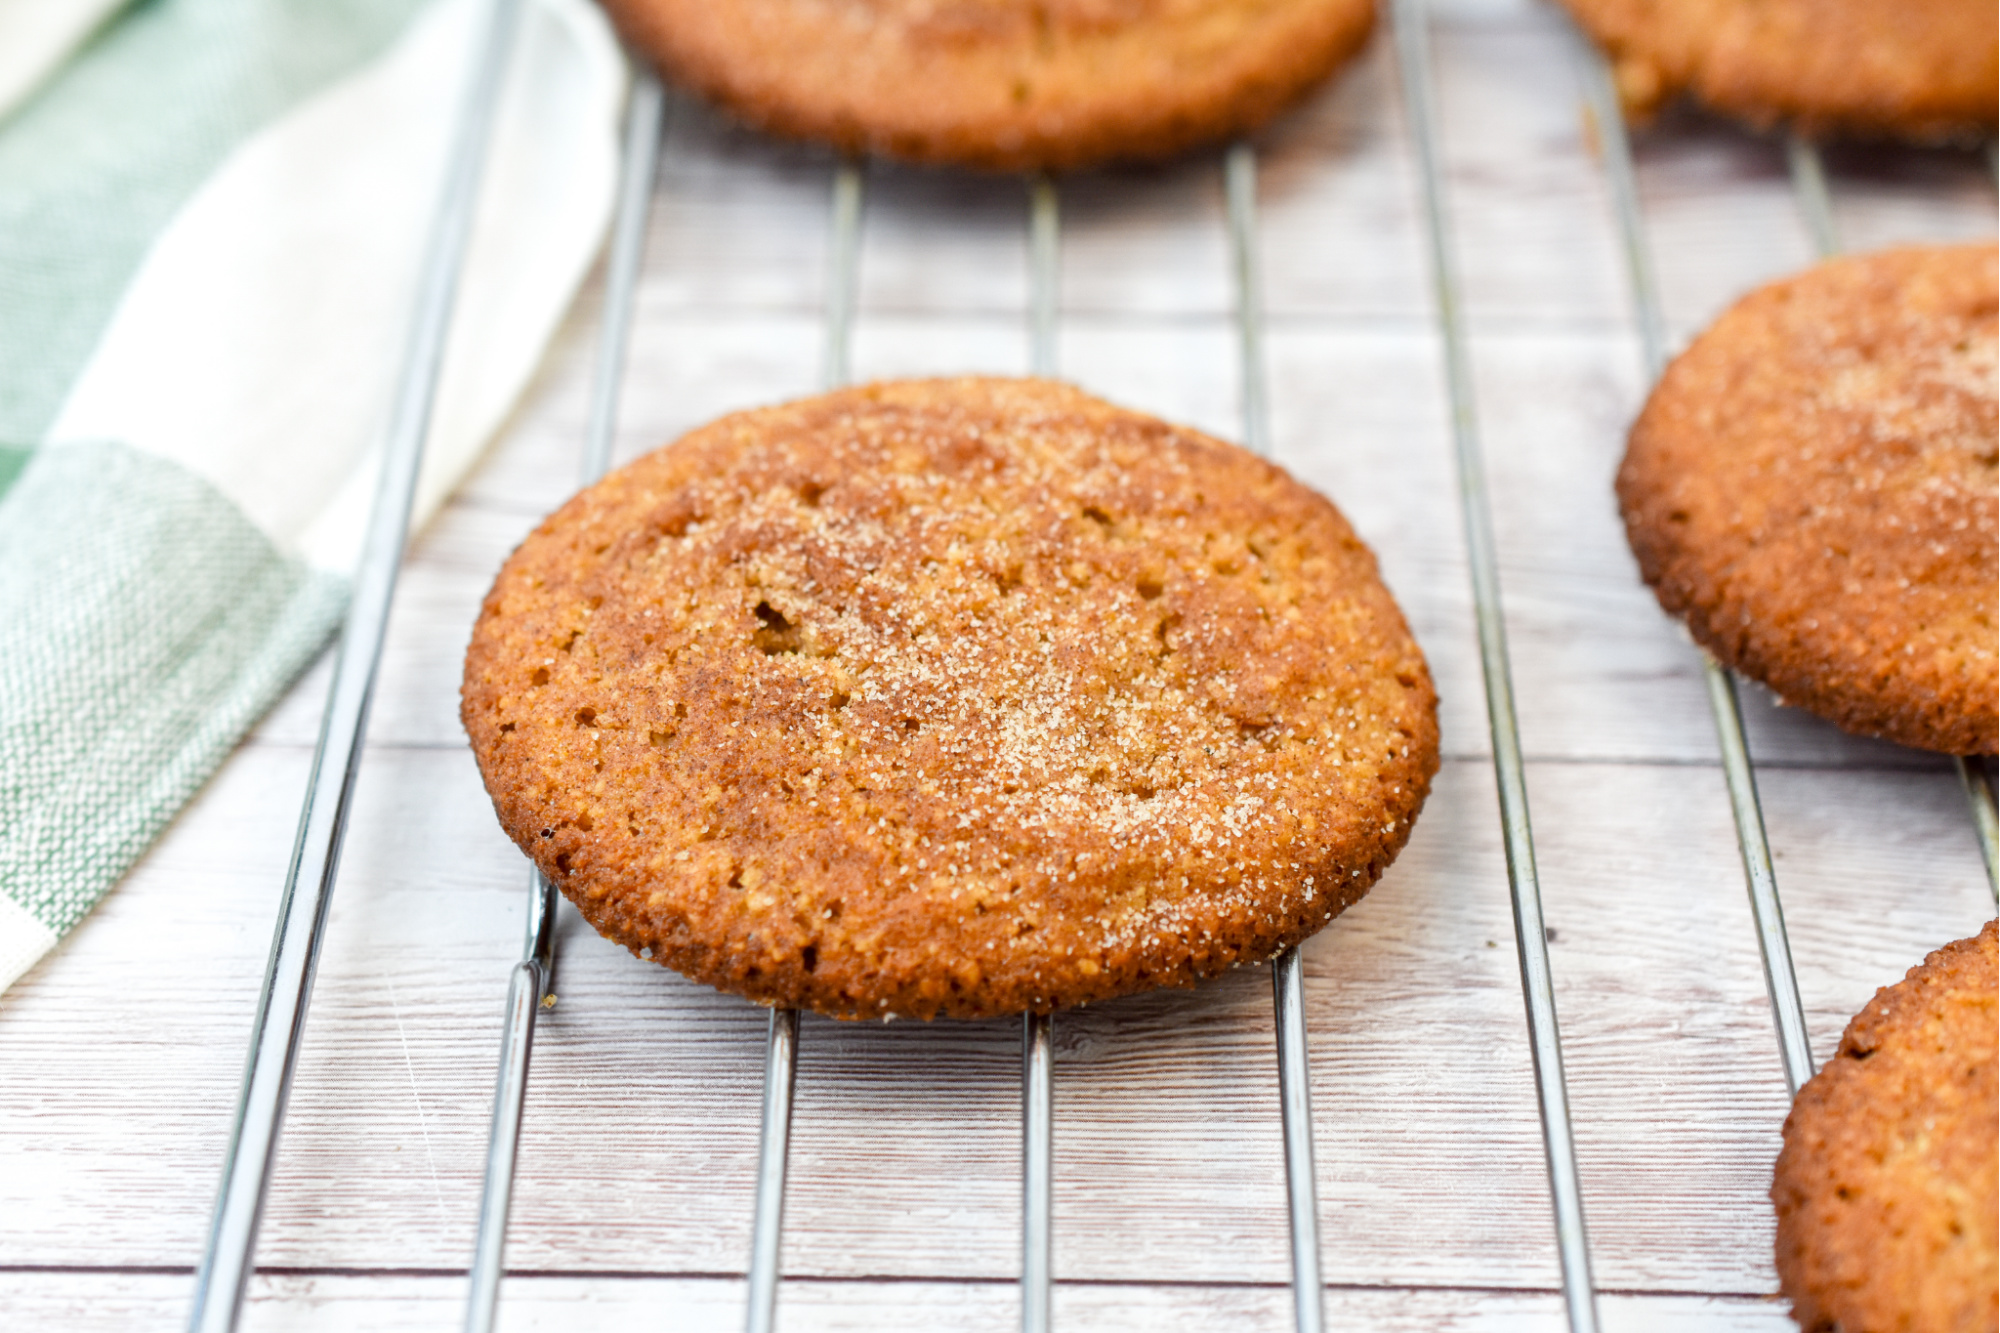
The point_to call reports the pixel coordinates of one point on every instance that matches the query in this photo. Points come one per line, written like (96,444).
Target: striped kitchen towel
(212,214)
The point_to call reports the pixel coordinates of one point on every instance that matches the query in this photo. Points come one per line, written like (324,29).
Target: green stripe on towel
(145,624)
(98,162)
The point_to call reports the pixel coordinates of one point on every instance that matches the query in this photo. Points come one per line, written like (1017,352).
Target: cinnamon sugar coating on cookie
(1812,488)
(1888,1187)
(1913,69)
(957,697)
(1001,84)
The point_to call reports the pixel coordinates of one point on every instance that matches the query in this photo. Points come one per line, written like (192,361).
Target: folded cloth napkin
(212,218)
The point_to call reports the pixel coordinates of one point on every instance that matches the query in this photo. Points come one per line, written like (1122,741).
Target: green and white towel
(212,214)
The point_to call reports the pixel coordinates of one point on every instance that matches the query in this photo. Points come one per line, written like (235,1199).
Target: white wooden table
(120,1055)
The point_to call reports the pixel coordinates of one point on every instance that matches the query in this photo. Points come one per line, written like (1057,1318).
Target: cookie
(1811,487)
(1917,69)
(1886,1188)
(1001,84)
(950,697)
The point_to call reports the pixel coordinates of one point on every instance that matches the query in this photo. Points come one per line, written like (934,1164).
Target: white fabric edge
(259,343)
(36,36)
(23,941)
(544,209)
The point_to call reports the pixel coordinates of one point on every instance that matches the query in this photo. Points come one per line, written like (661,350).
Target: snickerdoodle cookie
(950,697)
(1001,84)
(1919,69)
(1812,488)
(1886,1189)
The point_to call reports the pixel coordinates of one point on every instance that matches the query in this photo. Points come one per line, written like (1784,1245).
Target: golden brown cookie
(1920,69)
(1811,487)
(1888,1187)
(1001,84)
(956,697)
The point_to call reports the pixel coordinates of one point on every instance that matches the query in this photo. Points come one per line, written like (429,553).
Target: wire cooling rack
(228,1262)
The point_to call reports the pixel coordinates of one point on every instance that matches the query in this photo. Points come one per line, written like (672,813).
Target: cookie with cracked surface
(1888,1186)
(1812,488)
(950,697)
(1001,84)
(1914,69)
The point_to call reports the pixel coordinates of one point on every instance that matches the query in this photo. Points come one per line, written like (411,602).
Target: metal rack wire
(1475,512)
(288,977)
(287,988)
(528,986)
(1815,204)
(1760,874)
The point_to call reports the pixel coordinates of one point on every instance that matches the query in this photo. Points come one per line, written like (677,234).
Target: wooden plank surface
(122,1052)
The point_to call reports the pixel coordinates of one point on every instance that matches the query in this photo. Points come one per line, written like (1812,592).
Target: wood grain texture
(122,1052)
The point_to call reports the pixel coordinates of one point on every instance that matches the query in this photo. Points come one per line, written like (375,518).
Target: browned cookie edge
(1697,570)
(1836,1230)
(1819,69)
(784,87)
